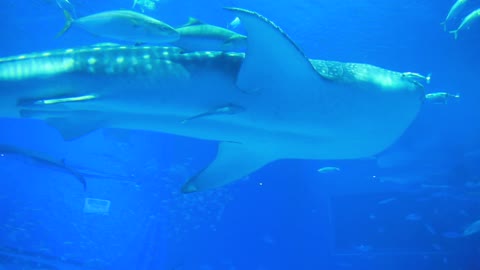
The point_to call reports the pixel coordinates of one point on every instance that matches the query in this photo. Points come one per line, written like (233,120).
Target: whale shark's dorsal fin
(274,65)
(271,57)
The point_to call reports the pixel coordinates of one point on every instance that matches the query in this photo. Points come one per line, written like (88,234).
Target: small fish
(363,248)
(389,200)
(234,24)
(454,11)
(440,97)
(436,247)
(467,22)
(124,25)
(413,217)
(413,76)
(472,228)
(228,109)
(328,170)
(430,229)
(199,36)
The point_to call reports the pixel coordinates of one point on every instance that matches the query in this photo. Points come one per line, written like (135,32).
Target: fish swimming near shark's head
(269,103)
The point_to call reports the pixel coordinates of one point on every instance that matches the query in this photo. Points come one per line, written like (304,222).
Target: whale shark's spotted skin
(108,60)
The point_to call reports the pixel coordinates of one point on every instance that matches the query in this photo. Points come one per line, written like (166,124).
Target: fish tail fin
(68,23)
(444,24)
(75,174)
(455,33)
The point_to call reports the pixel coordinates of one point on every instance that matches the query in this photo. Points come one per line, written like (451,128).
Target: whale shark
(269,103)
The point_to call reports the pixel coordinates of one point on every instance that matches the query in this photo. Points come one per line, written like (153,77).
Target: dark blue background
(285,216)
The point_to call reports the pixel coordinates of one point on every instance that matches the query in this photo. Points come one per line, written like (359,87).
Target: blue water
(407,208)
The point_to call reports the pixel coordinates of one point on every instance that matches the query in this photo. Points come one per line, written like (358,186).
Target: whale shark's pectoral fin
(72,129)
(71,125)
(273,62)
(233,161)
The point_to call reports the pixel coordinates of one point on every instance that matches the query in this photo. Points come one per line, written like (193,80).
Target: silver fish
(440,97)
(454,11)
(199,36)
(472,228)
(123,25)
(467,22)
(415,76)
